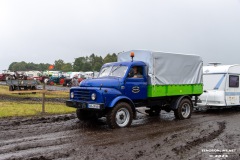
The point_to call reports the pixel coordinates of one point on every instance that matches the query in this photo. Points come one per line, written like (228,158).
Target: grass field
(32,108)
(10,109)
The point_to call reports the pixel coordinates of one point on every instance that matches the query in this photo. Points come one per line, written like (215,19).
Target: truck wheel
(84,115)
(184,109)
(120,116)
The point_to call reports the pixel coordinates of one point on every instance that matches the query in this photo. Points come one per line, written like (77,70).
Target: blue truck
(156,80)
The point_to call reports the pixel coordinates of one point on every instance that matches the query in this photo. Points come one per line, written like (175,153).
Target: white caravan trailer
(221,87)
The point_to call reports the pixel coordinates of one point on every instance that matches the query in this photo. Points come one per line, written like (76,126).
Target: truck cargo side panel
(174,90)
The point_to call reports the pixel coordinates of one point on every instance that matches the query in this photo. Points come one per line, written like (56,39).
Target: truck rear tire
(184,110)
(120,116)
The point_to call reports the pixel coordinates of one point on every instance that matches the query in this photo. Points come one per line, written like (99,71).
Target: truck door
(136,83)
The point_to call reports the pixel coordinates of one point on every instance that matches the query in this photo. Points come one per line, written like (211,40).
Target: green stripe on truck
(174,90)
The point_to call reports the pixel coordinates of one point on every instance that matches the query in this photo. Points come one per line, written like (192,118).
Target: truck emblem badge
(135,89)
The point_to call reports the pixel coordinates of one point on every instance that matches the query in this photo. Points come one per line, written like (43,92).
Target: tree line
(87,63)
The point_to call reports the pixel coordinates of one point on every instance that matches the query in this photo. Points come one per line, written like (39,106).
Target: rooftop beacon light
(132,55)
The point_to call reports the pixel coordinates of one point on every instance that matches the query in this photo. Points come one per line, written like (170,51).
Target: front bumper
(85,105)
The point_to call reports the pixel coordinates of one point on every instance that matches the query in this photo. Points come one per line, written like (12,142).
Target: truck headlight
(93,96)
(72,94)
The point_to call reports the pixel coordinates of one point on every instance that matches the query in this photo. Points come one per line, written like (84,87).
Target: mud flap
(175,103)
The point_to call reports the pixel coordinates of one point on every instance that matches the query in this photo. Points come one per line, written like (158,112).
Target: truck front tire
(184,110)
(120,116)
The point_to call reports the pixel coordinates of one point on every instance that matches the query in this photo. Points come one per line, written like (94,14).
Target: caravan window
(233,81)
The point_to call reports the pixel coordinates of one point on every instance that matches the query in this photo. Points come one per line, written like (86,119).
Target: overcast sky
(42,31)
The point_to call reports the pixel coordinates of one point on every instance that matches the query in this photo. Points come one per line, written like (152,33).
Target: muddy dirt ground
(206,135)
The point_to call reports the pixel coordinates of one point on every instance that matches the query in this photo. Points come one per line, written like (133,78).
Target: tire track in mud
(161,147)
(203,139)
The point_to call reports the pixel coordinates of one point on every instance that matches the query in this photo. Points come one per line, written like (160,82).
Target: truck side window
(136,72)
(233,81)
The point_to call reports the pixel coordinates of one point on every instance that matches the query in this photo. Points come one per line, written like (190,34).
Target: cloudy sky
(46,30)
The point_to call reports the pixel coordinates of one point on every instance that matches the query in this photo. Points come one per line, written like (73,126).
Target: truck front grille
(82,95)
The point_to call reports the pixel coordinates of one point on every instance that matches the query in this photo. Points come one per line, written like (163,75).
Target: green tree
(78,63)
(43,66)
(11,66)
(23,66)
(87,63)
(58,64)
(97,63)
(20,66)
(110,58)
(66,67)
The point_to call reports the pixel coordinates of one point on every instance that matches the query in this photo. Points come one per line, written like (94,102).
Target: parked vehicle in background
(68,80)
(22,84)
(2,77)
(37,75)
(17,75)
(91,74)
(48,74)
(56,78)
(157,80)
(5,74)
(221,87)
(20,81)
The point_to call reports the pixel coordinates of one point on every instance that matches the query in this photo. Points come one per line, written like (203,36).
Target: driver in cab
(134,73)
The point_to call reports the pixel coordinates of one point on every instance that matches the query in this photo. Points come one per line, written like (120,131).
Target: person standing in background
(75,80)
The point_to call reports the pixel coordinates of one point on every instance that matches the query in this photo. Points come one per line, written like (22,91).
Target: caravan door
(232,90)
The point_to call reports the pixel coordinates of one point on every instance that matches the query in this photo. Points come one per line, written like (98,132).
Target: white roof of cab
(221,69)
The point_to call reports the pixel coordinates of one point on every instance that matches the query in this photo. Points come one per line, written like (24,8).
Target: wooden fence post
(43,98)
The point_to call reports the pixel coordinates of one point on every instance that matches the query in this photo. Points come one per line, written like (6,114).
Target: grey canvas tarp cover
(168,68)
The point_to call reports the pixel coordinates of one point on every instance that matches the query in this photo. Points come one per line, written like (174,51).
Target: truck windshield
(115,71)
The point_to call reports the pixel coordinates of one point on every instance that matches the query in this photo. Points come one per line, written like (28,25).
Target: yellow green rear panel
(174,90)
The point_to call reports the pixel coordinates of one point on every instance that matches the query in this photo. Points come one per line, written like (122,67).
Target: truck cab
(115,83)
